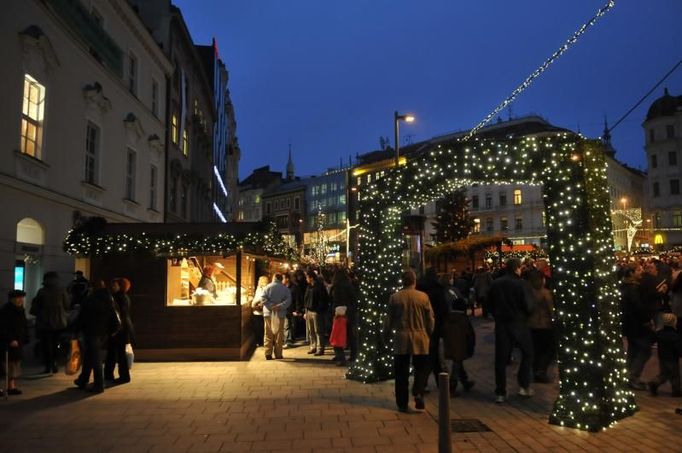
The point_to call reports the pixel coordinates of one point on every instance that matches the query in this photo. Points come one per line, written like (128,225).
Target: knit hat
(669,319)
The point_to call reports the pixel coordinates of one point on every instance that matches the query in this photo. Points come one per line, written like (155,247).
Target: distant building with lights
(251,189)
(663,146)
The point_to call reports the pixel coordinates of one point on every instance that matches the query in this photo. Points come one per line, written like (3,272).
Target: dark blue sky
(328,75)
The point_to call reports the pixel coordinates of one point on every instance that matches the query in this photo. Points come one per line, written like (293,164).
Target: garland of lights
(531,78)
(81,242)
(521,255)
(593,380)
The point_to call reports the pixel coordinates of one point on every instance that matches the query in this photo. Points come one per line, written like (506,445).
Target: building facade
(663,146)
(327,210)
(82,130)
(285,204)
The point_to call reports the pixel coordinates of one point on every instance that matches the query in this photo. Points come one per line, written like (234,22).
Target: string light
(543,67)
(593,379)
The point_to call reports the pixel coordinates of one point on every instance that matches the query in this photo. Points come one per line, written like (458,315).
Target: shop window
(32,117)
(207,281)
(91,153)
(517,197)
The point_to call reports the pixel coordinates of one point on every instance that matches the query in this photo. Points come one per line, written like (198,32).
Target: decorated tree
(453,221)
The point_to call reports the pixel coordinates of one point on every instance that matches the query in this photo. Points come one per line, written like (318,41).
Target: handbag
(130,355)
(75,360)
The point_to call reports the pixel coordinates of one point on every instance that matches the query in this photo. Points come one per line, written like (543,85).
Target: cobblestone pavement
(302,404)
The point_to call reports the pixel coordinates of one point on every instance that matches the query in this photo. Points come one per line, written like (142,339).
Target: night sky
(327,76)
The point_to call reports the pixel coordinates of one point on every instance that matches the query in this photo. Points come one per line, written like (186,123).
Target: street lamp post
(397,118)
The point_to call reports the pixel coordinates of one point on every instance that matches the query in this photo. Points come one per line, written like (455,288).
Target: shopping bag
(74,360)
(130,355)
(338,337)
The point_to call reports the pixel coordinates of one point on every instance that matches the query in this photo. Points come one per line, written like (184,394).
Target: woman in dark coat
(458,337)
(13,336)
(116,350)
(49,307)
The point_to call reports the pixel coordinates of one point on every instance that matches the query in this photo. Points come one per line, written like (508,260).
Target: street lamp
(624,200)
(397,118)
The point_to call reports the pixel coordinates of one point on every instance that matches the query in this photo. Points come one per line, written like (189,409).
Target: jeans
(92,362)
(274,335)
(639,353)
(508,335)
(289,329)
(401,367)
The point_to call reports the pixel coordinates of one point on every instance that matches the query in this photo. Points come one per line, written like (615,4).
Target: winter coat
(669,345)
(13,327)
(459,337)
(122,306)
(508,297)
(343,295)
(316,298)
(49,307)
(636,316)
(438,301)
(409,322)
(543,309)
(482,282)
(98,317)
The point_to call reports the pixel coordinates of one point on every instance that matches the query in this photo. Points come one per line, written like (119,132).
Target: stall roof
(94,236)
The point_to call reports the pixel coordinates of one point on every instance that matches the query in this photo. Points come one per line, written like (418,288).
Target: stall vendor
(207,282)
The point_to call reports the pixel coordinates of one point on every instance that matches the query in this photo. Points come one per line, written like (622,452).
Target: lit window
(185,142)
(91,153)
(174,128)
(32,116)
(477,225)
(677,218)
(369,178)
(359,180)
(130,174)
(323,189)
(517,197)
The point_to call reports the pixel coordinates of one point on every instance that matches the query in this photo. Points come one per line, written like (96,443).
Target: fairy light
(543,67)
(593,381)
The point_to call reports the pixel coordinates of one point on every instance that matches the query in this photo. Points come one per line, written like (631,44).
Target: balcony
(79,20)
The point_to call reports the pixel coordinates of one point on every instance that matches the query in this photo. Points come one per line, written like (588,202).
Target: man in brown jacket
(407,327)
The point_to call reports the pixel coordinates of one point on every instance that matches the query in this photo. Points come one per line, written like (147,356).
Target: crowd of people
(98,315)
(317,305)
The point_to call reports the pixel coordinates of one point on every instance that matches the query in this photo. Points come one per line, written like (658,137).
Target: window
(342,200)
(173,196)
(257,199)
(369,178)
(503,199)
(130,174)
(504,224)
(132,73)
(174,128)
(654,161)
(342,217)
(477,225)
(488,201)
(474,202)
(91,153)
(517,197)
(674,187)
(652,135)
(323,188)
(656,190)
(518,223)
(672,157)
(183,201)
(677,218)
(489,224)
(670,131)
(333,187)
(288,202)
(657,220)
(32,115)
(315,190)
(297,203)
(153,184)
(359,180)
(185,142)
(155,98)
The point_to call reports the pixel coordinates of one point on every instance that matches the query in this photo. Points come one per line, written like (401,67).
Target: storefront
(192,284)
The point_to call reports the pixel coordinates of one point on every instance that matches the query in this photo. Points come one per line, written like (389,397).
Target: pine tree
(452,221)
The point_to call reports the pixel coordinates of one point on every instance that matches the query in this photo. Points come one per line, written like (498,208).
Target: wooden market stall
(192,284)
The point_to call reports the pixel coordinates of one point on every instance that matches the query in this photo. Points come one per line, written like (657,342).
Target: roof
(666,105)
(291,186)
(261,178)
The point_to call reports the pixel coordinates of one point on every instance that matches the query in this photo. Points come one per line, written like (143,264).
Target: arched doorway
(593,392)
(29,250)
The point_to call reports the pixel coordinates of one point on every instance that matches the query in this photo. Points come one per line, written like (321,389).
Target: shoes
(14,391)
(653,389)
(500,399)
(320,352)
(120,381)
(312,351)
(636,385)
(288,345)
(526,392)
(268,357)
(468,385)
(403,410)
(79,384)
(279,357)
(96,390)
(419,403)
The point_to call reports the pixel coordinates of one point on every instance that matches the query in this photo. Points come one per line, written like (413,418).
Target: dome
(666,105)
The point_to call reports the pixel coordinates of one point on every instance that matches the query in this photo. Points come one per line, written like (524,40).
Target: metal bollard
(444,430)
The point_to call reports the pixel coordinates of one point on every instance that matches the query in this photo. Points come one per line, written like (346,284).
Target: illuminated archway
(593,380)
(29,231)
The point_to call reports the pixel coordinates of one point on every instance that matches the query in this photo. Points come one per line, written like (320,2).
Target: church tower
(290,167)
